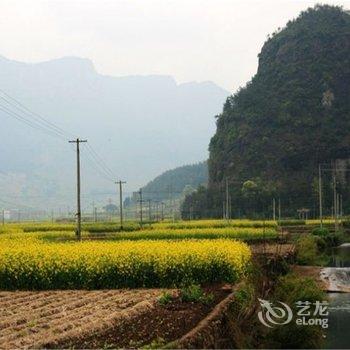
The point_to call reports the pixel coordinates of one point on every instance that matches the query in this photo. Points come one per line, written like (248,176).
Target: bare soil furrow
(87,309)
(27,313)
(21,321)
(96,308)
(25,299)
(6,296)
(40,302)
(36,318)
(90,323)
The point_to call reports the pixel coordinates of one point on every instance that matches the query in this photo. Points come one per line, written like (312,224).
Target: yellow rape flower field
(217,223)
(236,233)
(29,262)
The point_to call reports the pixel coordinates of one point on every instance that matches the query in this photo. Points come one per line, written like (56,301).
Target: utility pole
(230,208)
(149,211)
(341,205)
(95,214)
(279,208)
(93,211)
(141,201)
(162,210)
(338,206)
(3,217)
(172,203)
(78,141)
(157,210)
(335,195)
(320,194)
(120,182)
(273,209)
(227,201)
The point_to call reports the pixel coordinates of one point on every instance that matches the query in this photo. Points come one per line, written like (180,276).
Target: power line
(29,123)
(98,167)
(36,116)
(24,114)
(26,118)
(20,112)
(38,122)
(100,160)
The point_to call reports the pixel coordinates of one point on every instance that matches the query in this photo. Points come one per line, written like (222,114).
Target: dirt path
(273,249)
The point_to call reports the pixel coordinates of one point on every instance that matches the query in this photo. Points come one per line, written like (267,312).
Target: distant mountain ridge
(138,124)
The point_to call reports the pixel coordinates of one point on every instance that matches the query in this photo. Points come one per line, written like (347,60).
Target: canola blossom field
(217,224)
(248,235)
(39,256)
(28,262)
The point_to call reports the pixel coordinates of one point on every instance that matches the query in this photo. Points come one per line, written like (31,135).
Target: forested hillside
(293,115)
(176,182)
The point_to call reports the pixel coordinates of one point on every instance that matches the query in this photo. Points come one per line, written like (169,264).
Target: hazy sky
(200,40)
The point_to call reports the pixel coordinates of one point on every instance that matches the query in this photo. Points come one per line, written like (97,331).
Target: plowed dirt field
(40,319)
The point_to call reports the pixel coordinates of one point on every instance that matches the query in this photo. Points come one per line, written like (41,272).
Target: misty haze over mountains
(140,125)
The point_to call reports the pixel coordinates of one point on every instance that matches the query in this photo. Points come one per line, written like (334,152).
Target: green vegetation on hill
(178,181)
(292,115)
